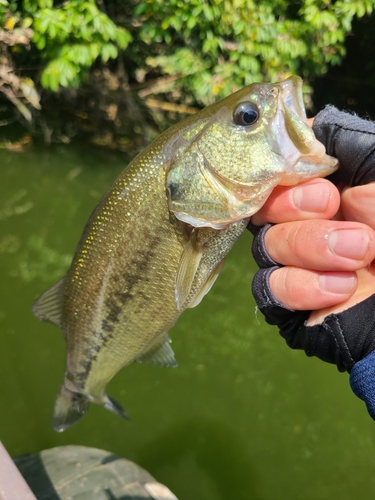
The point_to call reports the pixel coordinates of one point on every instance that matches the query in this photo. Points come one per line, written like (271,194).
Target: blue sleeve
(362,381)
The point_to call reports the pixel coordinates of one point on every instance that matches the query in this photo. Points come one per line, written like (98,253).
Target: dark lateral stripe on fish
(114,310)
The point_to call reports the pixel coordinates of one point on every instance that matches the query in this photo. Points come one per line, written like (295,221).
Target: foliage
(218,46)
(19,91)
(70,38)
(204,49)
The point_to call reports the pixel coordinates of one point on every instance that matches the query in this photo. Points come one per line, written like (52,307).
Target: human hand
(320,256)
(343,330)
(357,204)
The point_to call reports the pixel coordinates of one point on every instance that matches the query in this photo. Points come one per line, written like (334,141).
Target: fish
(157,240)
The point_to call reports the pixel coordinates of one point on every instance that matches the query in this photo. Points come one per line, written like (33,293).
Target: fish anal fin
(48,307)
(187,268)
(69,408)
(162,355)
(115,407)
(207,285)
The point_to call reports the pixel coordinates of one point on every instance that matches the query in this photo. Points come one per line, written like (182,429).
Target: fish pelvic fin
(48,307)
(69,408)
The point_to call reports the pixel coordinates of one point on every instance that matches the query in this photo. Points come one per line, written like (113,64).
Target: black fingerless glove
(351,140)
(346,339)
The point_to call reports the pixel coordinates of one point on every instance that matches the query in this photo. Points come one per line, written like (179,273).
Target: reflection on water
(242,417)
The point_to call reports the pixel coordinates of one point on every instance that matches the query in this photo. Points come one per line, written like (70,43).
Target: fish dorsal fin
(187,269)
(207,285)
(162,355)
(48,307)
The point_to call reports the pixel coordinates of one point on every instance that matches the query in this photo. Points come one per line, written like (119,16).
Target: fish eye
(245,114)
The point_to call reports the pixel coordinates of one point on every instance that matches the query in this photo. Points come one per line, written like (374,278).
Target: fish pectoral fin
(48,307)
(207,285)
(187,269)
(162,355)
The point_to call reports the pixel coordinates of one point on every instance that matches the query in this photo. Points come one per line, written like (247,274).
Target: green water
(242,417)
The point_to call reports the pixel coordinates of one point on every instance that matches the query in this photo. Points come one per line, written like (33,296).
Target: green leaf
(27,22)
(94,50)
(123,38)
(41,43)
(49,81)
(91,8)
(59,71)
(52,30)
(41,23)
(192,21)
(108,51)
(79,54)
(86,33)
(45,4)
(107,28)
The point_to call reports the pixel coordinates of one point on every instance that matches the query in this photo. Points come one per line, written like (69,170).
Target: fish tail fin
(69,408)
(115,407)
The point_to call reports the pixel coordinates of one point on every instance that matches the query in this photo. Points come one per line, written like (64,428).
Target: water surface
(242,417)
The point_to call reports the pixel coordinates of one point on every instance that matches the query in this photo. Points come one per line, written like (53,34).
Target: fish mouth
(291,106)
(295,139)
(290,93)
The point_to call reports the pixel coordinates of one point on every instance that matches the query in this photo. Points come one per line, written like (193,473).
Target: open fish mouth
(296,140)
(290,92)
(291,119)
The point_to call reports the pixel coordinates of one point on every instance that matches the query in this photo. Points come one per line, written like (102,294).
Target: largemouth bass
(157,240)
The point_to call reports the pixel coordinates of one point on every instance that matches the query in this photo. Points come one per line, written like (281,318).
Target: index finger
(314,199)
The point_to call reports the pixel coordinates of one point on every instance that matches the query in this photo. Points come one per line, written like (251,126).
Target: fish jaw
(305,156)
(228,171)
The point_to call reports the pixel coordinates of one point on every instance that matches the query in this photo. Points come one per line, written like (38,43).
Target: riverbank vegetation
(121,71)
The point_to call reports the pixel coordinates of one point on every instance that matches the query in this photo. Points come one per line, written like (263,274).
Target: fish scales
(123,320)
(157,240)
(125,317)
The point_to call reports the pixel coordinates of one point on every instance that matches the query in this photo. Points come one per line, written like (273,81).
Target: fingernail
(349,243)
(338,282)
(312,197)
